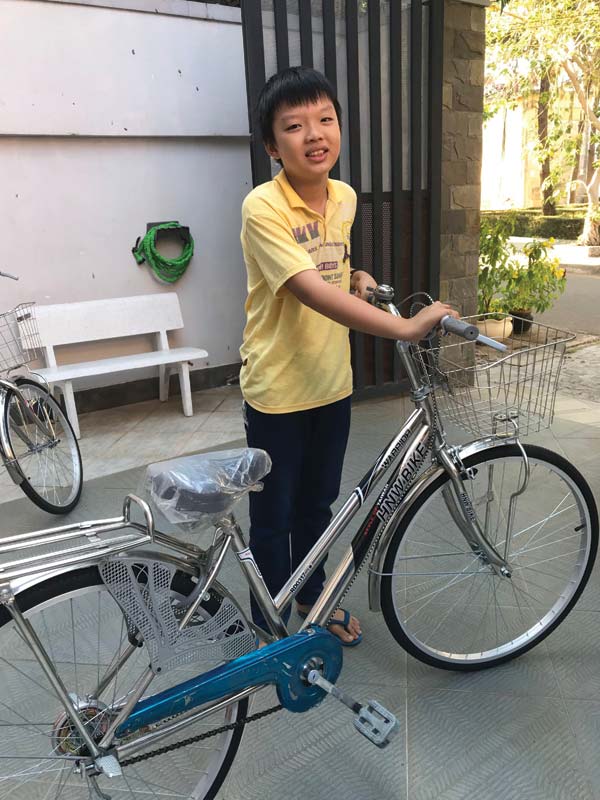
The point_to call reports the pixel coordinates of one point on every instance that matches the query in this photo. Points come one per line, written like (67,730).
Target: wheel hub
(66,739)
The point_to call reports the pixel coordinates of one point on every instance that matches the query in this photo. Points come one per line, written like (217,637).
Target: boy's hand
(360,282)
(429,318)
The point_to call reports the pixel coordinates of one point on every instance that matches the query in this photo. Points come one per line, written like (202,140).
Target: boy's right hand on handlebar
(429,318)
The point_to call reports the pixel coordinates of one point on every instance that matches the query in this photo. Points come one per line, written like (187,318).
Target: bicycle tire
(53,482)
(30,706)
(433,591)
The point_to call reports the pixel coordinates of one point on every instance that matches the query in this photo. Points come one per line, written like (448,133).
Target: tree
(551,46)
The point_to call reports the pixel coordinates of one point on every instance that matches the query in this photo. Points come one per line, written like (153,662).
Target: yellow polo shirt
(294,358)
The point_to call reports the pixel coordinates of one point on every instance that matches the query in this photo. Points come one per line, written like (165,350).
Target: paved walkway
(571,255)
(580,376)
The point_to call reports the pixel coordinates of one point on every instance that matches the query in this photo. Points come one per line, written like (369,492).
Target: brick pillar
(462,120)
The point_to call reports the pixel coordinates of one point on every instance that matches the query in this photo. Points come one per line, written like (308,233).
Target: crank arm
(281,663)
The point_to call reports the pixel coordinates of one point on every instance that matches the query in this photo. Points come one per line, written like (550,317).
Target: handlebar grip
(492,343)
(459,327)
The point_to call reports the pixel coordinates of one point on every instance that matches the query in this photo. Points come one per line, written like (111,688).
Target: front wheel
(50,463)
(446,606)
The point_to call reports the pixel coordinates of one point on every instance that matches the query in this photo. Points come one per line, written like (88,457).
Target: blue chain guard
(280,663)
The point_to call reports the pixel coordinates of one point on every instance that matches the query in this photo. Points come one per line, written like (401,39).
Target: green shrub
(505,283)
(530,222)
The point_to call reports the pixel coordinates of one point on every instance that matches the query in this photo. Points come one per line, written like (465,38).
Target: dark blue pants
(307,449)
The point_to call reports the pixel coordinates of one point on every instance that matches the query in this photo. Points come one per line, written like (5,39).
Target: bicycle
(37,445)
(122,648)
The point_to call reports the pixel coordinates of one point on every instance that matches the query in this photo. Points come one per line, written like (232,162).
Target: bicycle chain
(201,736)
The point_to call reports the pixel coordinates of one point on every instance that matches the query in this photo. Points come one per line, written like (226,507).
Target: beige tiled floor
(527,729)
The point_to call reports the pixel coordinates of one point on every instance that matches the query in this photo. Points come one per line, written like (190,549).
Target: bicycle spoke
(50,461)
(87,632)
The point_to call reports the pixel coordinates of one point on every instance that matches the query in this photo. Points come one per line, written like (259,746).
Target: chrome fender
(8,456)
(421,485)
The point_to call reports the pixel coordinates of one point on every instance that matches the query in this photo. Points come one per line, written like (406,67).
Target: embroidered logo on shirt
(302,233)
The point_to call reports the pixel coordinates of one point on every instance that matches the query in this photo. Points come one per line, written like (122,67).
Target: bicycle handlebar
(384,294)
(451,325)
(8,275)
(469,332)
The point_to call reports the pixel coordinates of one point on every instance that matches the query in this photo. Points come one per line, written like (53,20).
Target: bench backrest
(92,320)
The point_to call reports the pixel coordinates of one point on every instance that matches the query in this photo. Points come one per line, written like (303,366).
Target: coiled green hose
(165,269)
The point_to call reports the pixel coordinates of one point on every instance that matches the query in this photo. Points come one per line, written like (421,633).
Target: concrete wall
(111,118)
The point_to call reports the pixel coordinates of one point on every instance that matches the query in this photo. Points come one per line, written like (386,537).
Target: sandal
(343,622)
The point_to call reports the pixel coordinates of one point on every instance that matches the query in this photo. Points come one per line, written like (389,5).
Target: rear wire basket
(19,337)
(487,392)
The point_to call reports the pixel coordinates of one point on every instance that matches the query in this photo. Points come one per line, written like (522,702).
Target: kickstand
(95,791)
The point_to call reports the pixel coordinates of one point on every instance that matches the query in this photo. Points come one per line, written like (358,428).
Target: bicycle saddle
(188,488)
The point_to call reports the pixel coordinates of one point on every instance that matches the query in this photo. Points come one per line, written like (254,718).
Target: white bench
(95,320)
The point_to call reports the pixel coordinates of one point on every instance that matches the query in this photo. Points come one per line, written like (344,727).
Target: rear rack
(86,539)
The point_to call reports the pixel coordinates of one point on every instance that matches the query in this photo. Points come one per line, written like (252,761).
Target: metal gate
(384,58)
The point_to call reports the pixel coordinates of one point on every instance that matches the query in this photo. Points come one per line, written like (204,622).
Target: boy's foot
(348,633)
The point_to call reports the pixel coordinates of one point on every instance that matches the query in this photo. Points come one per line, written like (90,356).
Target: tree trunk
(572,193)
(591,226)
(593,148)
(548,205)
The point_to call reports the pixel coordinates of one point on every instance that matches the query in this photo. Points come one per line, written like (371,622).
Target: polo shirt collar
(294,198)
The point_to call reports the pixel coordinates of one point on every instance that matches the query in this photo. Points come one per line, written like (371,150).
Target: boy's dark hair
(294,86)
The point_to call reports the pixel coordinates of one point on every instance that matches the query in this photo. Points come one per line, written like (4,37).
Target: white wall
(98,140)
(503,161)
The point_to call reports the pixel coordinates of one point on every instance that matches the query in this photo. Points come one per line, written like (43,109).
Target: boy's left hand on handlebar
(429,318)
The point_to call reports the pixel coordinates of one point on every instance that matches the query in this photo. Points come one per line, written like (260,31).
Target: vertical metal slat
(396,151)
(329,50)
(416,29)
(281,34)
(355,166)
(306,46)
(374,17)
(254,57)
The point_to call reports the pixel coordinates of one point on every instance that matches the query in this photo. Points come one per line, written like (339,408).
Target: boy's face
(307,139)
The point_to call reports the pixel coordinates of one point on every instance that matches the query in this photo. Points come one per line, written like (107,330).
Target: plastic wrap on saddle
(186,490)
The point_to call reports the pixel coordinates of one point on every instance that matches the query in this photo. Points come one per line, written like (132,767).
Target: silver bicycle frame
(406,453)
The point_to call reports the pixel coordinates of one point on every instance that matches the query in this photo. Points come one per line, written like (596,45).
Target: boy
(296,377)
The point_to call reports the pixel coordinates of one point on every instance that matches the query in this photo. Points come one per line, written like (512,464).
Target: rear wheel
(442,601)
(50,463)
(83,631)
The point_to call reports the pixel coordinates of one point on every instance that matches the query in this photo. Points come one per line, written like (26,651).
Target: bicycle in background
(37,445)
(126,667)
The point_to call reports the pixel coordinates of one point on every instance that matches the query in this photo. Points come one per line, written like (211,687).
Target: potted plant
(534,285)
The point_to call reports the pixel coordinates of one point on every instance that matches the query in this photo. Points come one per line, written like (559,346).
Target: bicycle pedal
(373,721)
(376,723)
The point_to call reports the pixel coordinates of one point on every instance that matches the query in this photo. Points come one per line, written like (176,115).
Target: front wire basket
(487,392)
(19,337)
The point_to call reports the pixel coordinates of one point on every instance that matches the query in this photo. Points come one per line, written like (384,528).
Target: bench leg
(163,379)
(186,392)
(67,391)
